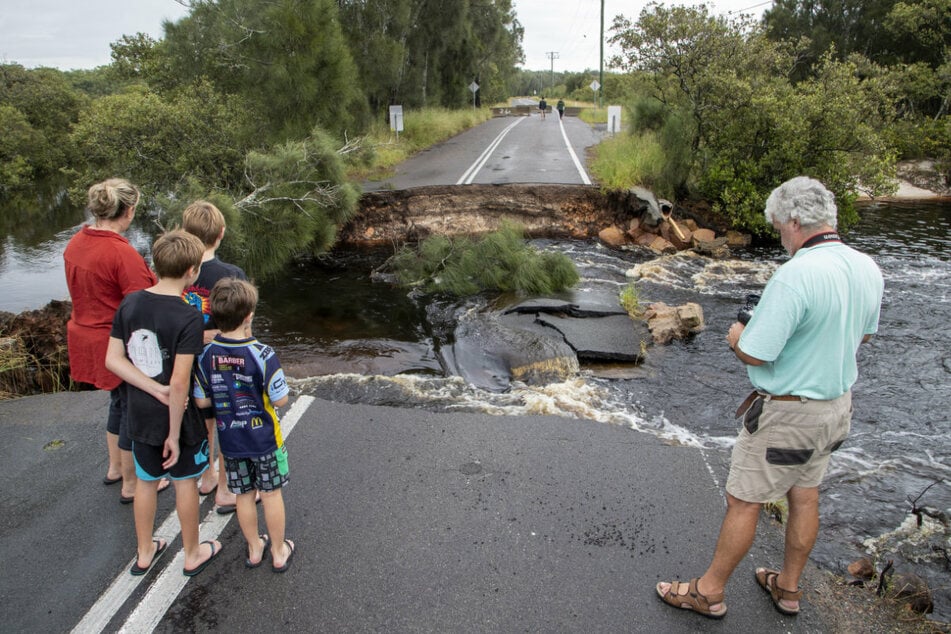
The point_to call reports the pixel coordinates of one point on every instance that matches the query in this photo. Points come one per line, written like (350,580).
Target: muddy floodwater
(350,339)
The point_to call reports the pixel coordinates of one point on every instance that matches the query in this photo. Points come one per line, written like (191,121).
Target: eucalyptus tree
(426,52)
(850,26)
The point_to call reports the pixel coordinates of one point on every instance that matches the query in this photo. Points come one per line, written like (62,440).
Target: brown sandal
(692,599)
(768,580)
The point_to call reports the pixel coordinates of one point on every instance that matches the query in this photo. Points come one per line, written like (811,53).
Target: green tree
(18,143)
(426,52)
(748,127)
(286,59)
(50,105)
(296,197)
(161,142)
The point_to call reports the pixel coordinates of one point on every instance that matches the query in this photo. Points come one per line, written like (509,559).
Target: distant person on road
(102,268)
(543,106)
(561,108)
(242,380)
(800,350)
(154,342)
(205,220)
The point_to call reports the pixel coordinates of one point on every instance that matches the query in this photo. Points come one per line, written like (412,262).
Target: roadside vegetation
(275,111)
(272,111)
(424,128)
(724,109)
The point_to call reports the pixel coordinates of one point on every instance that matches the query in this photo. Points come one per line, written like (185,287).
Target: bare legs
(130,485)
(146,494)
(115,461)
(274,519)
(802,529)
(223,496)
(739,529)
(186,505)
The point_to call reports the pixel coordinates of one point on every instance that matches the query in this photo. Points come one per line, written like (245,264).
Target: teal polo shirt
(813,314)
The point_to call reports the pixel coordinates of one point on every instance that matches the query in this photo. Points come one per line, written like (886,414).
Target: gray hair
(804,199)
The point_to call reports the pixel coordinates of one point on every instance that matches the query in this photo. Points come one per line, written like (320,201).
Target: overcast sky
(70,34)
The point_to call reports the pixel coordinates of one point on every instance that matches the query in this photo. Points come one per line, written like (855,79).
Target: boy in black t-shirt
(205,220)
(154,341)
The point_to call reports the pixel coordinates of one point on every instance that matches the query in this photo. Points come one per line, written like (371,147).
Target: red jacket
(101,268)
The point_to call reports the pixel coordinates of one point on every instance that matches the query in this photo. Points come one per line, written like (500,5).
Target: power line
(755,6)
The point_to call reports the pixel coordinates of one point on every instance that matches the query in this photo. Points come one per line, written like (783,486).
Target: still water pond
(365,341)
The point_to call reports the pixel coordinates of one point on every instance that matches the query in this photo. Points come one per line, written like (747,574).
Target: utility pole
(601,70)
(553,55)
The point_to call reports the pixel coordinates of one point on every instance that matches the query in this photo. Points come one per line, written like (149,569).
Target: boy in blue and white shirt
(240,380)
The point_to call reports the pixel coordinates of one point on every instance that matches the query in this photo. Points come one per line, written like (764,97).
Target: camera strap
(821,238)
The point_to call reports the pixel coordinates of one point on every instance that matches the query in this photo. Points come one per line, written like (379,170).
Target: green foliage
(732,126)
(40,105)
(499,261)
(424,54)
(160,142)
(17,143)
(298,198)
(630,298)
(287,60)
(626,160)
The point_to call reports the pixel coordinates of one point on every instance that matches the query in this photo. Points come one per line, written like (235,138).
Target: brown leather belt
(748,401)
(782,397)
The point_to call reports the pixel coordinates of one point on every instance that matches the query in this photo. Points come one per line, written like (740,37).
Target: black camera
(746,313)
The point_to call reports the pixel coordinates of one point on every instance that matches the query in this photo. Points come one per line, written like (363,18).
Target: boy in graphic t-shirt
(154,341)
(205,220)
(242,380)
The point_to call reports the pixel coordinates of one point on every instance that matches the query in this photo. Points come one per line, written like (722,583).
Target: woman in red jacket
(102,268)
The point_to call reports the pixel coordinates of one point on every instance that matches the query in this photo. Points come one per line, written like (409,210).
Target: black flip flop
(107,480)
(160,548)
(194,571)
(267,543)
(287,562)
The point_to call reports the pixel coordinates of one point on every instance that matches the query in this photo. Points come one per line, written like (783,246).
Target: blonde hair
(204,220)
(111,198)
(232,300)
(174,252)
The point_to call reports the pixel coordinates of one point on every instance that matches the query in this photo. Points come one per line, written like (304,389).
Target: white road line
(470,173)
(165,589)
(574,157)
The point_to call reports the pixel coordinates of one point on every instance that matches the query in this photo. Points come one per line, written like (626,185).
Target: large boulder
(613,237)
(667,323)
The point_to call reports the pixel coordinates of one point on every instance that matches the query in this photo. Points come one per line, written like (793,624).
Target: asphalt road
(405,521)
(502,150)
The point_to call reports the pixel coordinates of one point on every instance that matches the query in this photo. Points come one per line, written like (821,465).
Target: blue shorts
(264,473)
(118,421)
(192,461)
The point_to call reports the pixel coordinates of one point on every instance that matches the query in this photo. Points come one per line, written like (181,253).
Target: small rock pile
(670,236)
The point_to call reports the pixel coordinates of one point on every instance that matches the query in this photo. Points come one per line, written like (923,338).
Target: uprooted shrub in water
(499,261)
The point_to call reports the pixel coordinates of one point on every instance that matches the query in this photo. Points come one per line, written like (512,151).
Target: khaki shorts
(786,444)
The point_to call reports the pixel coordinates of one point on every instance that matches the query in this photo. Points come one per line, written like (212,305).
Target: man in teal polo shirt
(800,351)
